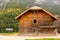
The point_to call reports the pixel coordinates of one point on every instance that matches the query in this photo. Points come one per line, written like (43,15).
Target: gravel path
(15,37)
(2,37)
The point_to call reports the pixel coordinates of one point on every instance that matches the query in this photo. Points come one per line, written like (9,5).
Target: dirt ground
(15,37)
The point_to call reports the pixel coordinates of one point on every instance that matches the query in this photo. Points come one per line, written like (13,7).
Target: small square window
(35,11)
(34,21)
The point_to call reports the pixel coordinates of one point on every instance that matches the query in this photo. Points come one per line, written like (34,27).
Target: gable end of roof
(35,8)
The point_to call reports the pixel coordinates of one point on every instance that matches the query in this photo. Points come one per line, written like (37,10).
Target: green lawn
(9,33)
(45,39)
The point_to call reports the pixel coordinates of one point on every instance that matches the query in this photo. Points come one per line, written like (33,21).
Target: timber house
(36,21)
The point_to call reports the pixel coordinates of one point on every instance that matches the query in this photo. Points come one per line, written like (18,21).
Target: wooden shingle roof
(35,8)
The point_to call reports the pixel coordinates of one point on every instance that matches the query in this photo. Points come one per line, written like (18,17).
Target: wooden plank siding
(39,17)
(27,21)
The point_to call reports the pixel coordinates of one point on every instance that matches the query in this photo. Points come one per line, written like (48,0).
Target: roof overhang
(35,8)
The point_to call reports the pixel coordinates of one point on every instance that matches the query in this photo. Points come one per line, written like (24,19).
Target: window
(34,20)
(35,11)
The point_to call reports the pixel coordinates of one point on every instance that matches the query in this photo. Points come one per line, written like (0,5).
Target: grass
(9,33)
(50,39)
(45,39)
